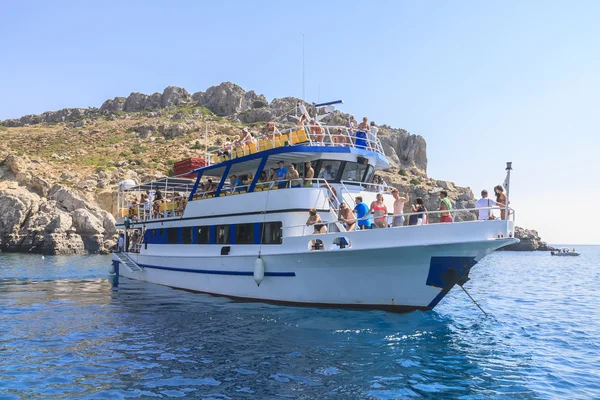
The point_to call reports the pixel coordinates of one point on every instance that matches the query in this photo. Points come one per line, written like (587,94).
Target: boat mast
(303,99)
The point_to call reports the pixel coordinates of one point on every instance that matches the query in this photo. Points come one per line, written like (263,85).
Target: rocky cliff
(59,169)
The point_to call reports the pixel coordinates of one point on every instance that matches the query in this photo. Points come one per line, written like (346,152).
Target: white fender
(259,270)
(111,269)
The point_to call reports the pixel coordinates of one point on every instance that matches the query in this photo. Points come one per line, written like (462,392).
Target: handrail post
(508,169)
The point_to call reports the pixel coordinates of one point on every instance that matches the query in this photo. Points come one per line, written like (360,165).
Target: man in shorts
(399,207)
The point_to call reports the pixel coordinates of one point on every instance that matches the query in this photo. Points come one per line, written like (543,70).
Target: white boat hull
(398,278)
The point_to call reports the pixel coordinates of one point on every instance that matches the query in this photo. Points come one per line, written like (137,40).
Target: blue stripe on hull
(216,272)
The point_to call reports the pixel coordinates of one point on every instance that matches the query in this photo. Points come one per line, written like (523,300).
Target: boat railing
(455,213)
(369,187)
(304,135)
(166,207)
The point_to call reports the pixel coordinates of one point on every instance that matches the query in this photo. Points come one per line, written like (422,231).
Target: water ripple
(66,332)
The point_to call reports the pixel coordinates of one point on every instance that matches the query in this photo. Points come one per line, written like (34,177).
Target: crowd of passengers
(362,135)
(282,177)
(377,215)
(153,204)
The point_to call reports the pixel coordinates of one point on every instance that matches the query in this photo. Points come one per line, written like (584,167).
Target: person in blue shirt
(361,210)
(281,174)
(235,183)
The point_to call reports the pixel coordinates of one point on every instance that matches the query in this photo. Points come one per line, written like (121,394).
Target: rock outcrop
(529,241)
(51,220)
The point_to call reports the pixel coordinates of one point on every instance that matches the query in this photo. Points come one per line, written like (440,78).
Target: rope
(473,300)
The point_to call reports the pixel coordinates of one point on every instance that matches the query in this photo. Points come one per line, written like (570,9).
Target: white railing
(390,217)
(305,135)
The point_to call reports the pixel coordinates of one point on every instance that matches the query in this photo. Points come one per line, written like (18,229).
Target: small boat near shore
(564,253)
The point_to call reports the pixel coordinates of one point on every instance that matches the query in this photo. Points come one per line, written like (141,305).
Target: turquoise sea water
(65,332)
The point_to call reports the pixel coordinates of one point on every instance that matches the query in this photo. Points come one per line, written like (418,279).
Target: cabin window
(186,235)
(222,234)
(369,175)
(203,235)
(329,170)
(244,234)
(271,232)
(172,235)
(354,172)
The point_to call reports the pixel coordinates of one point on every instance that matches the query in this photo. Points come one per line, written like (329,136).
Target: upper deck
(308,138)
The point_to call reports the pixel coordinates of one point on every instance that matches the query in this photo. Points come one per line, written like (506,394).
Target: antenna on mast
(303,99)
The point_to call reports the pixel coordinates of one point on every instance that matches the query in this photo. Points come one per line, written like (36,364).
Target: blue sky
(483,82)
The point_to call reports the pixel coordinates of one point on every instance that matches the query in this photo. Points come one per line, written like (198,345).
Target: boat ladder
(133,267)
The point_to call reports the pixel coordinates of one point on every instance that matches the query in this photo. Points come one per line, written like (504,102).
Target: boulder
(173,96)
(229,99)
(153,101)
(173,130)
(115,105)
(62,244)
(135,102)
(86,223)
(409,150)
(94,243)
(16,206)
(61,223)
(65,199)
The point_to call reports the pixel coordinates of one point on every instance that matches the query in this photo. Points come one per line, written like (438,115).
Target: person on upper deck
(293,176)
(351,124)
(445,204)
(226,150)
(272,175)
(372,135)
(317,133)
(485,202)
(380,212)
(361,134)
(271,131)
(362,211)
(500,200)
(245,137)
(340,138)
(302,120)
(399,207)
(309,174)
(281,175)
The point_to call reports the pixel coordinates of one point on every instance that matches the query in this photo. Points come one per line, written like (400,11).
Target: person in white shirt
(121,242)
(372,134)
(484,202)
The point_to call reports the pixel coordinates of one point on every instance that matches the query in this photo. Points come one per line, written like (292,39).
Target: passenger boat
(249,239)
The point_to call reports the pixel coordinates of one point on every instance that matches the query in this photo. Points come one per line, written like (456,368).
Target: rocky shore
(59,170)
(529,241)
